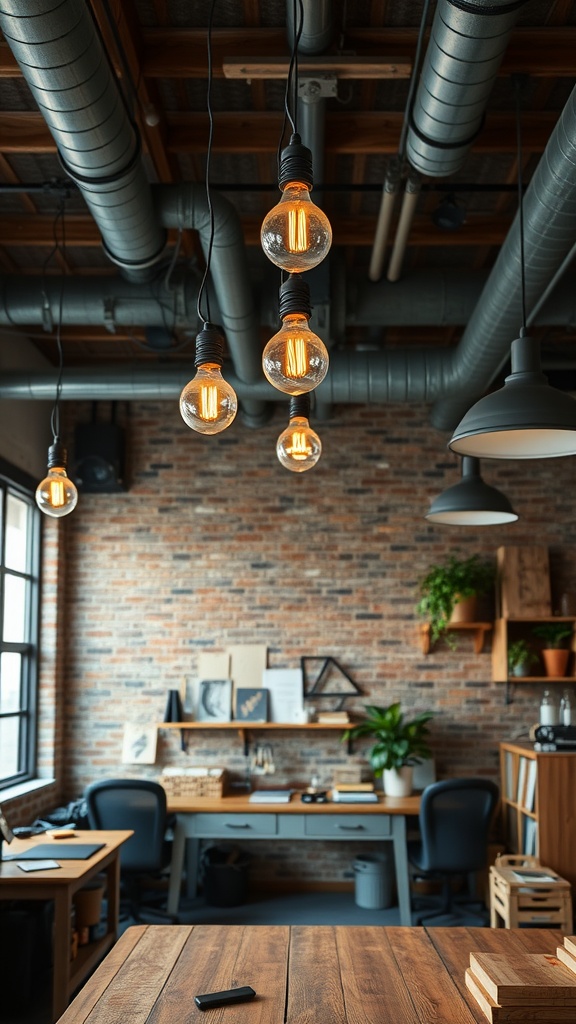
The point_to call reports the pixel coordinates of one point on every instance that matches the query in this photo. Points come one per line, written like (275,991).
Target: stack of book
(512,988)
(354,793)
(333,717)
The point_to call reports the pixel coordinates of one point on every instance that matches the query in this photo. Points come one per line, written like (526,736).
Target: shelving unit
(537,795)
(506,631)
(245,729)
(478,630)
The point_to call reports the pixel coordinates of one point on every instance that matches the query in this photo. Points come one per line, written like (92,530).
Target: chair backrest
(134,804)
(455,819)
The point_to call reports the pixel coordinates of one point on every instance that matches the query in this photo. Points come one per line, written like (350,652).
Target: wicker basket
(196,782)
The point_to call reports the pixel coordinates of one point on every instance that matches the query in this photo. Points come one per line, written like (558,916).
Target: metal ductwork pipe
(63,61)
(316,28)
(549,207)
(467,42)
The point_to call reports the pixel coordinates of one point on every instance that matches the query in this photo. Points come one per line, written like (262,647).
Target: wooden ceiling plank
(248,68)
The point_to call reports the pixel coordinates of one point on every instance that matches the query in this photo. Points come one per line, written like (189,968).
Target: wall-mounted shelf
(506,631)
(478,630)
(245,729)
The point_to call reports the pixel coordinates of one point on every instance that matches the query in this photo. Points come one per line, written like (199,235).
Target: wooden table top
(69,870)
(241,805)
(301,974)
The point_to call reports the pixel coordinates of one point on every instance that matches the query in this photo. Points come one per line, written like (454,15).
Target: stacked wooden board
(518,988)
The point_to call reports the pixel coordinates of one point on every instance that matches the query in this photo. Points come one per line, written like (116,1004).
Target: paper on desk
(535,876)
(37,865)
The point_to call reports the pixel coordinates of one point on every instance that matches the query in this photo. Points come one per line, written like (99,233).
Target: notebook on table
(61,850)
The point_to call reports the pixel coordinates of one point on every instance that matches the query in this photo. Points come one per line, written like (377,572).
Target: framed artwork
(139,746)
(214,700)
(251,705)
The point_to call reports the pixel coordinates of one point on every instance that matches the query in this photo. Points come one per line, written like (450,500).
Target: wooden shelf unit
(245,729)
(537,797)
(478,629)
(506,631)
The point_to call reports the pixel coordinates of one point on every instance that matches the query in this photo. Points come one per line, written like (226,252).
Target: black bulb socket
(295,164)
(294,297)
(57,455)
(209,346)
(300,406)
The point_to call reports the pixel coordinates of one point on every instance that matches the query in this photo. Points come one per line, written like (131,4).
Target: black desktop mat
(58,850)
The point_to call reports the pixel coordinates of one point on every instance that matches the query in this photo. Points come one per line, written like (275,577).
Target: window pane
(9,728)
(10,665)
(14,609)
(17,525)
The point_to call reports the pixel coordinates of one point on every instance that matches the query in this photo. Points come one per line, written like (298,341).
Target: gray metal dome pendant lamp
(527,418)
(471,502)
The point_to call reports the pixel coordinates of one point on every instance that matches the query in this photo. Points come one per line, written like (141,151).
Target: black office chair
(455,819)
(140,805)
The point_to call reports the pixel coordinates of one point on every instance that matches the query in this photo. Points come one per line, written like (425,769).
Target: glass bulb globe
(296,234)
(208,403)
(295,360)
(56,495)
(298,447)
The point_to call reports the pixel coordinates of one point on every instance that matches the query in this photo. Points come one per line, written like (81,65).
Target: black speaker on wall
(99,458)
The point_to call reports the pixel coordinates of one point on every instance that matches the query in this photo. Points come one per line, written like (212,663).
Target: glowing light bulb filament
(297,230)
(57,493)
(208,410)
(299,448)
(296,357)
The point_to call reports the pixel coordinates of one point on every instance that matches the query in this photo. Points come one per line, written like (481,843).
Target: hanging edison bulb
(295,360)
(57,495)
(296,234)
(298,448)
(208,404)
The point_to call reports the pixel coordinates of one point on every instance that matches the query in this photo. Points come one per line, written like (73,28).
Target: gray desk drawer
(353,825)
(241,825)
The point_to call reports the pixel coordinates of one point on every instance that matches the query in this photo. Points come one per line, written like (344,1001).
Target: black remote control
(232,995)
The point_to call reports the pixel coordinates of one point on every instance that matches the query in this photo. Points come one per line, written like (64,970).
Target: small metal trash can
(373,880)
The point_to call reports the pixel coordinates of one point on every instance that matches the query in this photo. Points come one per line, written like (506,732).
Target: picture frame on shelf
(214,700)
(251,704)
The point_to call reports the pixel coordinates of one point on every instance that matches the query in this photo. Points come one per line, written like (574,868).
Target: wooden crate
(514,902)
(523,582)
(199,782)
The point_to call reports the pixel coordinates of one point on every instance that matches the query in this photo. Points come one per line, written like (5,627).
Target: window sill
(24,789)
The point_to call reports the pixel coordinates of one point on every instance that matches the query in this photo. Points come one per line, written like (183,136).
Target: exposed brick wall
(216,543)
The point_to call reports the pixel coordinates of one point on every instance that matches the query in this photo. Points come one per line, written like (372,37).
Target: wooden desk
(60,885)
(234,817)
(344,975)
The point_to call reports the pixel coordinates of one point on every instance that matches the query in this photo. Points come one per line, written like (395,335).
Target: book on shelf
(333,717)
(522,766)
(354,787)
(270,796)
(530,794)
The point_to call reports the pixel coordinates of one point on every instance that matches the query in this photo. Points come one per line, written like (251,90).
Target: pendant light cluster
(208,404)
(296,236)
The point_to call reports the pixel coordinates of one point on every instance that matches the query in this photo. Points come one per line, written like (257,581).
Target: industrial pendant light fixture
(296,234)
(295,360)
(298,448)
(527,418)
(471,502)
(208,404)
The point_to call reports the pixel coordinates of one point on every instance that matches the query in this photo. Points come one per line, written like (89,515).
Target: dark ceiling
(159,52)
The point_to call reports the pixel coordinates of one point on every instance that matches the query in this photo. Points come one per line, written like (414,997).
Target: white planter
(398,782)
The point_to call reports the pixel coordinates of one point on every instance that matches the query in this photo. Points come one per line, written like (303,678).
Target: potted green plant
(556,652)
(520,658)
(400,744)
(448,585)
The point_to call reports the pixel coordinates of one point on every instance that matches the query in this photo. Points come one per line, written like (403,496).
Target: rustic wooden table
(325,975)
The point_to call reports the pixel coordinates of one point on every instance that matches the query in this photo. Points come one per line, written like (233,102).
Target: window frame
(15,482)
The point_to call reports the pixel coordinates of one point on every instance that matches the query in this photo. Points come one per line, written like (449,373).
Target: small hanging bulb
(296,234)
(208,404)
(295,360)
(57,495)
(298,448)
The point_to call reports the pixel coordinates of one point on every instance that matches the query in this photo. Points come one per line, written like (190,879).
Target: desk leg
(176,865)
(113,894)
(401,865)
(192,863)
(61,952)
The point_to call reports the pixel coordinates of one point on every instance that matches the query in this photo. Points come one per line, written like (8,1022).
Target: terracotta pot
(555,660)
(465,609)
(398,782)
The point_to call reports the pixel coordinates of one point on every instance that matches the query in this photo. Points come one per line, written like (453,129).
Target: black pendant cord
(520,208)
(58,247)
(202,289)
(292,80)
